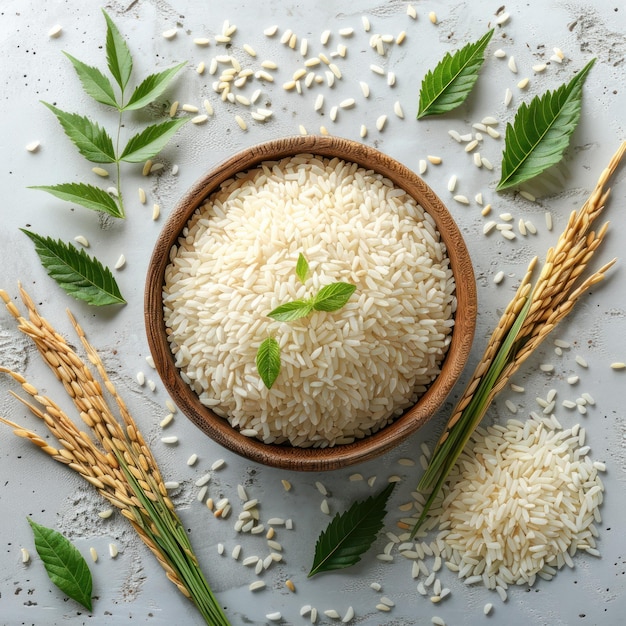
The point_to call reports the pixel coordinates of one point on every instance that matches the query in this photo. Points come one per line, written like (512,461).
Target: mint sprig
(268,361)
(302,268)
(333,297)
(329,298)
(291,311)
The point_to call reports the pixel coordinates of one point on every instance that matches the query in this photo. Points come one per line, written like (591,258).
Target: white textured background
(132,588)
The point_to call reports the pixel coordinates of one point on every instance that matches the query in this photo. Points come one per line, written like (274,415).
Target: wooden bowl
(286,456)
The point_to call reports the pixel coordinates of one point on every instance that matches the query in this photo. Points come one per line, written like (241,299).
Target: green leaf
(118,56)
(268,361)
(85,195)
(291,310)
(350,534)
(332,297)
(151,88)
(302,268)
(449,84)
(92,141)
(541,131)
(81,276)
(149,142)
(65,566)
(94,82)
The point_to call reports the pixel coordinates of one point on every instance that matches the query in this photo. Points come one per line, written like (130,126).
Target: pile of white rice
(344,374)
(524,498)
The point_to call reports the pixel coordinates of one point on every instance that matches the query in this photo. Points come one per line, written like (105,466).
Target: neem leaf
(541,131)
(151,88)
(150,141)
(65,566)
(94,82)
(85,195)
(350,534)
(291,310)
(302,268)
(449,84)
(92,141)
(332,297)
(81,276)
(118,56)
(268,361)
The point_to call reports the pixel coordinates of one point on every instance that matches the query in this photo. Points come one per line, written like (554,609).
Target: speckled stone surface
(132,588)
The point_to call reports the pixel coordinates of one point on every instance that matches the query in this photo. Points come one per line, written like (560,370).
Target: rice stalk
(532,314)
(115,459)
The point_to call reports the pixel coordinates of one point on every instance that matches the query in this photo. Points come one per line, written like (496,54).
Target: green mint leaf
(449,84)
(350,534)
(65,566)
(85,195)
(332,297)
(149,142)
(151,88)
(541,131)
(302,268)
(291,310)
(94,82)
(81,276)
(268,361)
(118,56)
(92,141)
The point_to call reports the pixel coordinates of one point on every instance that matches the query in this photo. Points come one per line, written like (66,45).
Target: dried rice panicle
(531,315)
(122,467)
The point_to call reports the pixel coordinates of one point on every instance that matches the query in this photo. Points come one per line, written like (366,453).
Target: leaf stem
(118,161)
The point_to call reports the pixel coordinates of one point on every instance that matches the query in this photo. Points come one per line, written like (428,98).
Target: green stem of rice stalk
(117,460)
(450,449)
(532,314)
(168,534)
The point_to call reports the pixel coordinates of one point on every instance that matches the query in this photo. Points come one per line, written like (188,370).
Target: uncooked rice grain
(521,500)
(235,261)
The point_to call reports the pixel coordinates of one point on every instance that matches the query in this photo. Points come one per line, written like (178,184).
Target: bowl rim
(285,456)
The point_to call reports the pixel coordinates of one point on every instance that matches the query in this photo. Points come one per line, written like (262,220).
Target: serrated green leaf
(302,268)
(150,141)
(151,88)
(268,361)
(92,141)
(541,131)
(449,84)
(65,566)
(332,297)
(85,195)
(350,534)
(119,59)
(94,82)
(81,276)
(291,310)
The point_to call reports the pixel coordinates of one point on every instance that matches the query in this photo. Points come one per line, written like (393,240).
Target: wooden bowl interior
(285,456)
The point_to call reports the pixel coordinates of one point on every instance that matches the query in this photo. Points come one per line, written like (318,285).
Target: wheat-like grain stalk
(119,464)
(532,314)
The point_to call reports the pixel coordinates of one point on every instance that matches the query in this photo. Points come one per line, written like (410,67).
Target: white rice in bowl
(344,374)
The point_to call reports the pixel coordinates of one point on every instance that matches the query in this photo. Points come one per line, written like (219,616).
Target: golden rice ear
(526,322)
(119,465)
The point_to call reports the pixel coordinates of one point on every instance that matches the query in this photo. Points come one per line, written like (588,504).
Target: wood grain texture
(285,456)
